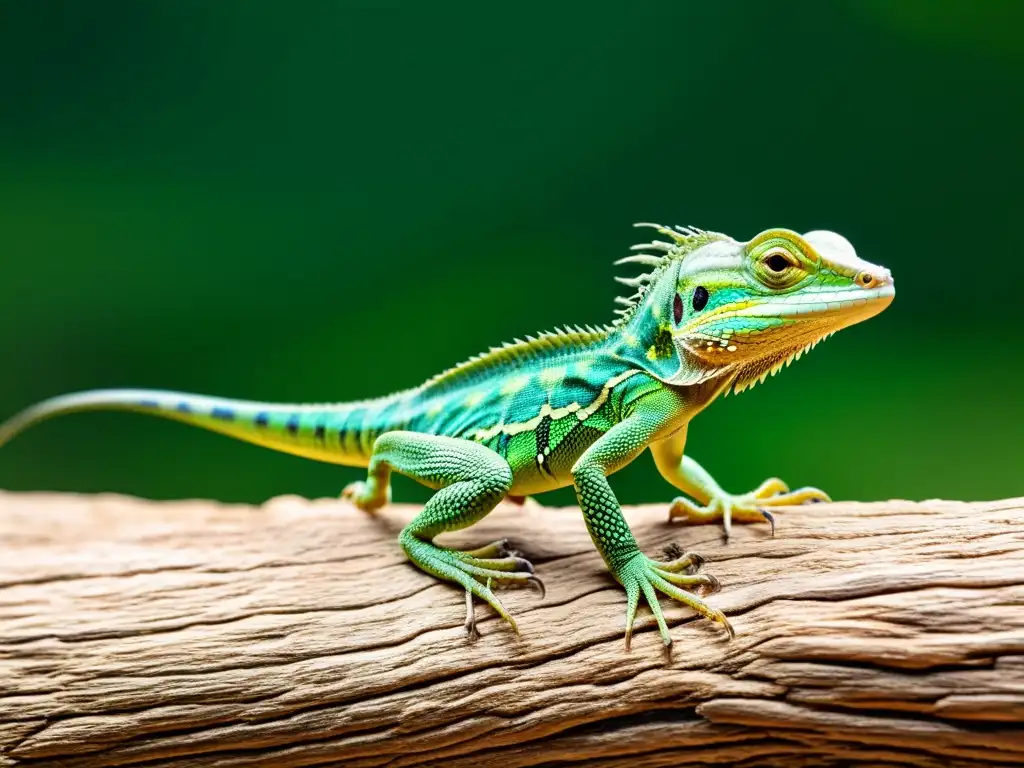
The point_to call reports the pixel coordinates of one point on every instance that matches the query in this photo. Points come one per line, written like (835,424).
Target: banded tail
(340,433)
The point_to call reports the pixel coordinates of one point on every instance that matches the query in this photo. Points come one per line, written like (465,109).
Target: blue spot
(223,413)
(320,432)
(183,407)
(148,404)
(293,424)
(262,419)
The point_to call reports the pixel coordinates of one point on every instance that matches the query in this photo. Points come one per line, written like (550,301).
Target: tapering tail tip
(136,400)
(55,406)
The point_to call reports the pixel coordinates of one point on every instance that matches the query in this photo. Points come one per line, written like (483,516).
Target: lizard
(706,315)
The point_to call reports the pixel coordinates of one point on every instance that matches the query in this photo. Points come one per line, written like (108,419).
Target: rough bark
(293,634)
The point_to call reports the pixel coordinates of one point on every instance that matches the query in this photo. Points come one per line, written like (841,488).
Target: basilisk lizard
(709,315)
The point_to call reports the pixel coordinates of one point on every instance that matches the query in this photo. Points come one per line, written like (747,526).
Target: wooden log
(296,634)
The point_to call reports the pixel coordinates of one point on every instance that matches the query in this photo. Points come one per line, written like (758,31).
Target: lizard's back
(539,404)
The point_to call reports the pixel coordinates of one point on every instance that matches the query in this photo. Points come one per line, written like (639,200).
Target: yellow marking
(725,309)
(435,410)
(515,384)
(656,311)
(731,347)
(474,399)
(585,413)
(352,440)
(556,413)
(582,367)
(552,376)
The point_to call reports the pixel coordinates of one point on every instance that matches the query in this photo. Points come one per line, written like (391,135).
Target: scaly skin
(710,315)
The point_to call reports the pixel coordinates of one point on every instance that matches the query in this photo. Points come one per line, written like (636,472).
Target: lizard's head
(712,306)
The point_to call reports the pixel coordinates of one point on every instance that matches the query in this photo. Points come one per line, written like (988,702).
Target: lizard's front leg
(691,478)
(470,481)
(636,572)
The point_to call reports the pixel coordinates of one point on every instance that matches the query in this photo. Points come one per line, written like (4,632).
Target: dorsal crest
(514,353)
(685,240)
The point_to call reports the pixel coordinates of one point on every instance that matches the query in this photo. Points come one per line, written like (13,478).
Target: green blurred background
(327,200)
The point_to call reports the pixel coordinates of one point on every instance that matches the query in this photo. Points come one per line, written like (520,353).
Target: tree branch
(295,634)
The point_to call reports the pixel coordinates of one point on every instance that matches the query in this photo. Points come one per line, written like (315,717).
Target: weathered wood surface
(293,634)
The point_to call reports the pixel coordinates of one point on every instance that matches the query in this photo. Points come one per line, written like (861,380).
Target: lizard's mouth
(850,305)
(853,304)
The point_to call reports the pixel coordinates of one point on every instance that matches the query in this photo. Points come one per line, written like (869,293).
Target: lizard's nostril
(874,278)
(867,280)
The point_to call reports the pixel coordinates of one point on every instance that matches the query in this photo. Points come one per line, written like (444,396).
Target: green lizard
(570,407)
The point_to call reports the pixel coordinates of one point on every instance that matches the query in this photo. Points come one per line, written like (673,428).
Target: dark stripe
(223,413)
(543,434)
(262,419)
(543,438)
(293,424)
(320,432)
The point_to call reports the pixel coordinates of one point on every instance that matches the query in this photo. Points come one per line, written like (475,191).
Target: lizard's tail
(337,433)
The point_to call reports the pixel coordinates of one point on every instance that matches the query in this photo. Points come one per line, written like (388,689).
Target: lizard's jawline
(855,303)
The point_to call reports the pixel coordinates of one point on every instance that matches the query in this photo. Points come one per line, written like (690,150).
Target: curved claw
(533,580)
(471,631)
(713,586)
(769,517)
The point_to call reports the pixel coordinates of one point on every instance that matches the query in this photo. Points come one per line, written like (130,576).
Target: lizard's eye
(677,309)
(778,269)
(776,262)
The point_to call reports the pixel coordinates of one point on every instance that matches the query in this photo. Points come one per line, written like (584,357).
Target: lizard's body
(571,407)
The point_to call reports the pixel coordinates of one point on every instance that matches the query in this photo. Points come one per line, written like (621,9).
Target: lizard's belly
(528,481)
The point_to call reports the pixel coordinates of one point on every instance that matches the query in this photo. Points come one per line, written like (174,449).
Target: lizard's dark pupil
(700,298)
(677,308)
(777,262)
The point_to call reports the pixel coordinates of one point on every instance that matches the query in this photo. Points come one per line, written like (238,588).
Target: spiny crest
(760,370)
(685,240)
(517,351)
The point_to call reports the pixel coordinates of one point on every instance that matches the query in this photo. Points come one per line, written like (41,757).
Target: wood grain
(295,634)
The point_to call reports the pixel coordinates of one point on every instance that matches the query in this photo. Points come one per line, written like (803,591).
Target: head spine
(685,240)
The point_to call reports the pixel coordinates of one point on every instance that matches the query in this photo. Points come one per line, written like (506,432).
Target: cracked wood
(295,634)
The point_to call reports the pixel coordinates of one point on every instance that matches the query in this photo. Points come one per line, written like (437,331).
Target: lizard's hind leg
(470,481)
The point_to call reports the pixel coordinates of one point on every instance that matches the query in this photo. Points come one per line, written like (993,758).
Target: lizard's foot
(368,495)
(642,575)
(476,570)
(746,507)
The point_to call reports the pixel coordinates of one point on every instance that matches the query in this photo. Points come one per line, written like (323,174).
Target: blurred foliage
(329,200)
